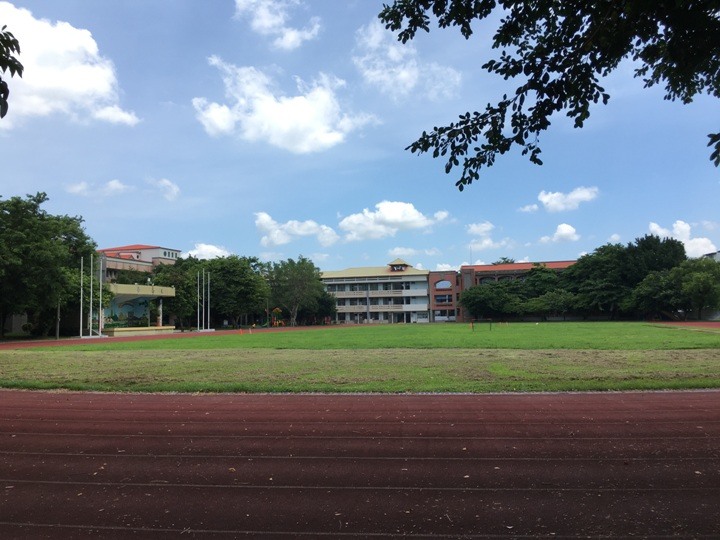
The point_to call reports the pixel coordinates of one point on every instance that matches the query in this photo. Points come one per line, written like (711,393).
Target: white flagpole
(91,296)
(100,287)
(82,260)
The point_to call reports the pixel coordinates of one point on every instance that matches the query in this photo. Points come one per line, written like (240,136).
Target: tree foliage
(183,277)
(650,277)
(296,285)
(238,289)
(700,283)
(558,51)
(9,47)
(40,257)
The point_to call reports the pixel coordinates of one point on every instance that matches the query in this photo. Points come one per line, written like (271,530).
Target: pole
(82,260)
(203,299)
(197,303)
(91,296)
(208,303)
(100,288)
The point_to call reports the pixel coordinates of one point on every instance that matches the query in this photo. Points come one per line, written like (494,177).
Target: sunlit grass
(598,336)
(398,358)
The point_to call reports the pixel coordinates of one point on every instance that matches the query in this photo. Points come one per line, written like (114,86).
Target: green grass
(597,336)
(398,358)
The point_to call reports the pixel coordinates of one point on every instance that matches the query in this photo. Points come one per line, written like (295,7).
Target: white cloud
(405,252)
(277,234)
(311,121)
(614,238)
(109,189)
(169,189)
(388,218)
(563,233)
(529,208)
(481,229)
(444,267)
(115,115)
(114,187)
(64,72)
(207,251)
(78,188)
(270,17)
(483,232)
(402,252)
(560,202)
(319,257)
(395,70)
(694,247)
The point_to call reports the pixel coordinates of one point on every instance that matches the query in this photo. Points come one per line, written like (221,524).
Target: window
(443,298)
(444,284)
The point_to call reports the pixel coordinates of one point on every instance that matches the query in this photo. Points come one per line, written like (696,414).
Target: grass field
(393,358)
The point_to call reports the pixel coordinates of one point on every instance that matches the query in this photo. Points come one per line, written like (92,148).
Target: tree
(324,306)
(238,290)
(656,294)
(9,47)
(700,282)
(539,281)
(492,299)
(652,254)
(295,285)
(183,277)
(40,256)
(597,281)
(558,50)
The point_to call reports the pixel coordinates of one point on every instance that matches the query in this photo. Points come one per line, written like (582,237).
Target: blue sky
(275,128)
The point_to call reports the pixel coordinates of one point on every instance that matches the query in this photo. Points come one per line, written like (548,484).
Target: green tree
(656,294)
(597,280)
(557,51)
(324,306)
(183,277)
(492,300)
(652,254)
(295,285)
(539,281)
(9,47)
(40,256)
(238,289)
(700,283)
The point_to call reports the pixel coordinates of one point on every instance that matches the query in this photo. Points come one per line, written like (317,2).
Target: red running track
(77,465)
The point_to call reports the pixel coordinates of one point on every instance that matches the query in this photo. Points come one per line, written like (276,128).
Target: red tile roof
(519,267)
(131,247)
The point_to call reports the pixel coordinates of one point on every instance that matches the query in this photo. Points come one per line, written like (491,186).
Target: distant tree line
(40,260)
(648,279)
(245,291)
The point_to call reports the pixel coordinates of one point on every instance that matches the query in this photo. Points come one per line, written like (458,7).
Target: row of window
(378,301)
(362,287)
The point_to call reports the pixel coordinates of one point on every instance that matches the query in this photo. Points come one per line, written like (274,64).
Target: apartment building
(394,293)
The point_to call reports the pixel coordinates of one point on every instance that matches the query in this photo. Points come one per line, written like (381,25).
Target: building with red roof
(137,257)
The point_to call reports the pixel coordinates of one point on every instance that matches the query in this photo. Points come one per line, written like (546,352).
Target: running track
(78,465)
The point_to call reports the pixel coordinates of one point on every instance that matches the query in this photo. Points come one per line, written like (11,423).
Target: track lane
(573,465)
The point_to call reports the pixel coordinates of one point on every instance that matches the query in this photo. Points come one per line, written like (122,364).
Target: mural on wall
(127,314)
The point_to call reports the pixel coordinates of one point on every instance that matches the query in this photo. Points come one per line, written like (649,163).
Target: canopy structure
(129,311)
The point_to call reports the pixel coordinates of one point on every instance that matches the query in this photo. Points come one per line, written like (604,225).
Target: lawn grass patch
(530,336)
(393,358)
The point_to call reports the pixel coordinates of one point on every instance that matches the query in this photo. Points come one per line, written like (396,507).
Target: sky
(278,128)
